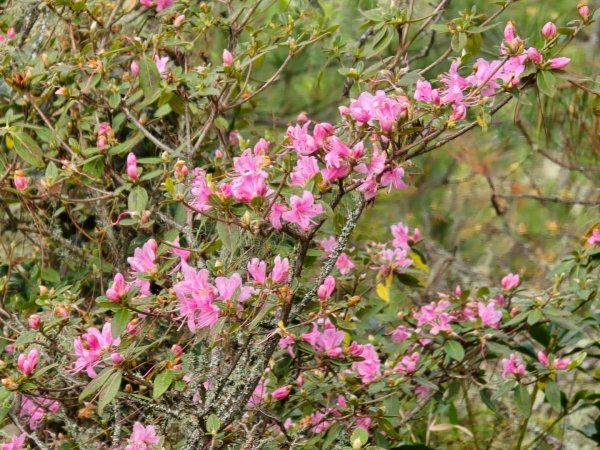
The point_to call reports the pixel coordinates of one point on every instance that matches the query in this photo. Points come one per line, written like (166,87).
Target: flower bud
(177,350)
(135,68)
(559,63)
(510,31)
(11,33)
(179,20)
(34,321)
(534,55)
(302,118)
(227,58)
(20,180)
(549,30)
(116,358)
(584,11)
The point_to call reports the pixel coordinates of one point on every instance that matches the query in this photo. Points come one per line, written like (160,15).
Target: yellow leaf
(418,262)
(9,142)
(383,289)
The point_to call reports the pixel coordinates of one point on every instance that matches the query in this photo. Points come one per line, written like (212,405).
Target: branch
(146,133)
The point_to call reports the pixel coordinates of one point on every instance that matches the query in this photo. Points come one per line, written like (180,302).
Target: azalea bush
(181,273)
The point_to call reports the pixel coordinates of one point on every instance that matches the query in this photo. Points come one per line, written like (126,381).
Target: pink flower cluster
(91,346)
(142,437)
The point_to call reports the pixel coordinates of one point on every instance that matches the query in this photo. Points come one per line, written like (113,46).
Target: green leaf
(522,400)
(120,321)
(553,395)
(27,149)
(50,275)
(359,438)
(213,424)
(546,82)
(138,199)
(97,383)
(454,350)
(109,391)
(126,146)
(161,383)
(534,316)
(149,79)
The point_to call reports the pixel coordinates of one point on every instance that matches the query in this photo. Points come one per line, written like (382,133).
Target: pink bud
(459,112)
(131,159)
(300,380)
(282,392)
(11,33)
(177,350)
(344,111)
(559,63)
(583,10)
(510,32)
(135,68)
(116,358)
(227,58)
(534,55)
(34,321)
(61,311)
(261,147)
(20,180)
(101,142)
(132,172)
(458,290)
(549,30)
(542,358)
(218,153)
(302,118)
(179,20)
(510,281)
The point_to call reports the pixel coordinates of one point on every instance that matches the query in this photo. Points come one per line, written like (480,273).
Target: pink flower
(559,63)
(327,341)
(306,168)
(553,362)
(275,214)
(302,210)
(34,321)
(595,237)
(434,314)
(135,68)
(510,281)
(282,392)
(11,33)
(26,364)
(142,438)
(400,334)
(326,289)
(227,58)
(287,343)
(302,142)
(228,287)
(402,235)
(408,364)
(143,259)
(280,270)
(118,289)
(459,112)
(344,264)
(368,368)
(425,93)
(258,270)
(490,317)
(249,186)
(196,299)
(160,5)
(34,408)
(161,65)
(259,394)
(91,346)
(512,365)
(20,180)
(549,30)
(321,132)
(393,178)
(16,442)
